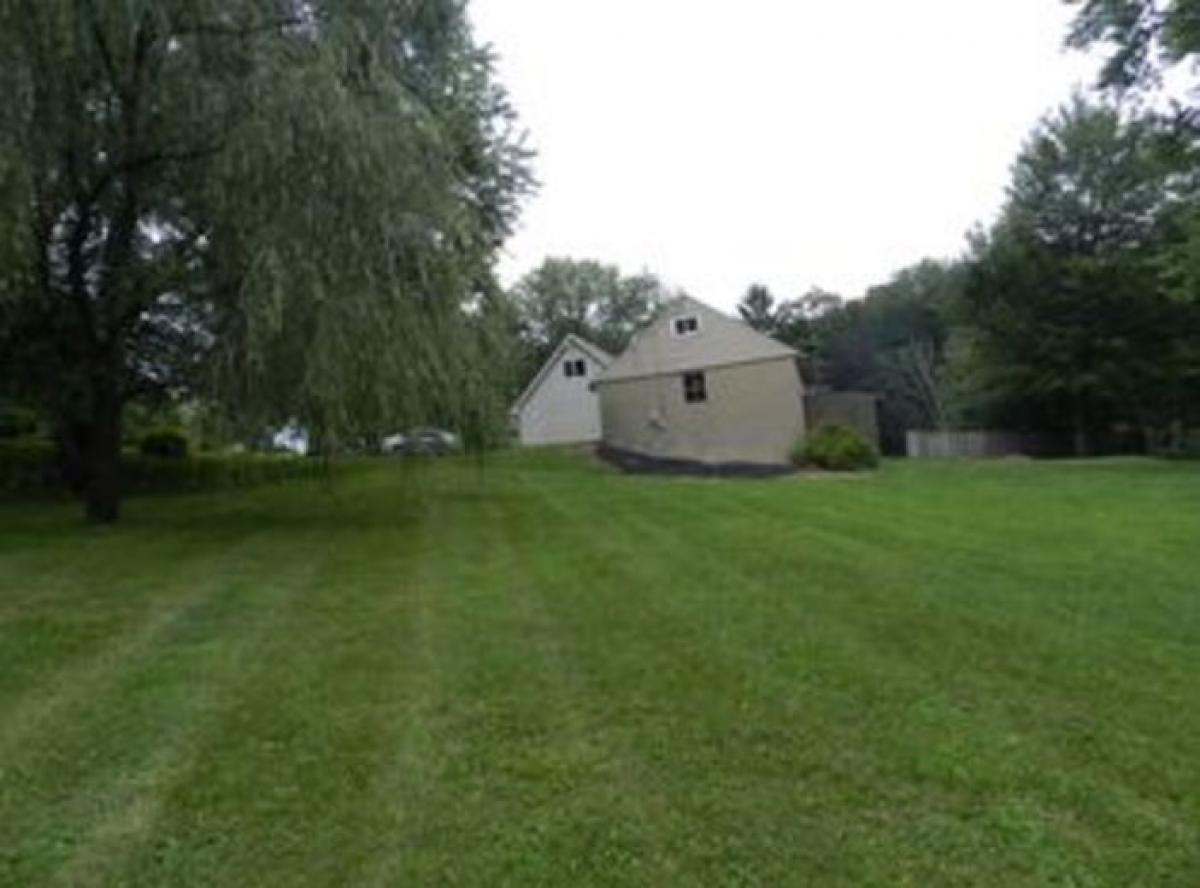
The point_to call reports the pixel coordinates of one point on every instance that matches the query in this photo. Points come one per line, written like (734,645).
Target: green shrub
(1175,442)
(28,467)
(16,421)
(836,449)
(165,443)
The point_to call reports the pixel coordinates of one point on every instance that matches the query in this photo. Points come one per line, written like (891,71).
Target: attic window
(575,368)
(695,388)
(689,325)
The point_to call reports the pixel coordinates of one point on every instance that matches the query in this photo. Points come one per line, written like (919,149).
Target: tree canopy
(586,298)
(289,208)
(1067,292)
(758,309)
(1143,37)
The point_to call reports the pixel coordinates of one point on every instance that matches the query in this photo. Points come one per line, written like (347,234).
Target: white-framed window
(695,388)
(574,368)
(685,325)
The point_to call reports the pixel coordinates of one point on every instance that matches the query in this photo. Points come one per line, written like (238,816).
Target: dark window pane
(686,326)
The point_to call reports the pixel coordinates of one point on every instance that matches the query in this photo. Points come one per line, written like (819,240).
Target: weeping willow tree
(291,207)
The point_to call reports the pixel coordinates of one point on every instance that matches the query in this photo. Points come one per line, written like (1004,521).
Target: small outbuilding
(699,386)
(559,406)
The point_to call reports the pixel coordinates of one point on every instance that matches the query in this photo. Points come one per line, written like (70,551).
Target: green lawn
(541,673)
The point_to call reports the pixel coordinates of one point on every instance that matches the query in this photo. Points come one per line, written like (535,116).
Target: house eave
(679,371)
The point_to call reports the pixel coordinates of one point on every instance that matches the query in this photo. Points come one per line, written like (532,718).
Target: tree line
(290,212)
(1076,314)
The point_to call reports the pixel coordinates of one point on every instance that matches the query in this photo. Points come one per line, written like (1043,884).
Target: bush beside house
(836,449)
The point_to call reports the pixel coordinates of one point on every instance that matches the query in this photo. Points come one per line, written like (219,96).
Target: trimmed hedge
(146,474)
(29,468)
(836,448)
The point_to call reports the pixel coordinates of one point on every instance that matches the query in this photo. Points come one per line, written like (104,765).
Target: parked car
(394,443)
(432,441)
(424,441)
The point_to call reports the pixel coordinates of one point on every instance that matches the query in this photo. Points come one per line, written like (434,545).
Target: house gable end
(690,335)
(570,343)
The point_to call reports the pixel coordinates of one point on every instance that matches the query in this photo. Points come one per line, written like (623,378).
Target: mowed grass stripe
(540,672)
(753,696)
(525,762)
(98,754)
(694,670)
(311,725)
(1034,686)
(867,651)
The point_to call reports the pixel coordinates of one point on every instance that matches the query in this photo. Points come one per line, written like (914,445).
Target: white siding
(562,409)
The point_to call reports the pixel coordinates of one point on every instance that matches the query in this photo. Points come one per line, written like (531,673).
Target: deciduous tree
(759,309)
(585,298)
(1075,327)
(291,207)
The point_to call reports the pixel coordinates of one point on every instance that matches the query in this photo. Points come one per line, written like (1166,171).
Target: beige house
(699,386)
(559,405)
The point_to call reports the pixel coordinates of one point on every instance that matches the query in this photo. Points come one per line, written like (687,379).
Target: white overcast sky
(791,142)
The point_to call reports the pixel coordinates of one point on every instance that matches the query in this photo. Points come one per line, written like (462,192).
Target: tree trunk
(1081,435)
(102,494)
(71,440)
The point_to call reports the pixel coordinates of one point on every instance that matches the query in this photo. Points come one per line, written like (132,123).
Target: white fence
(976,444)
